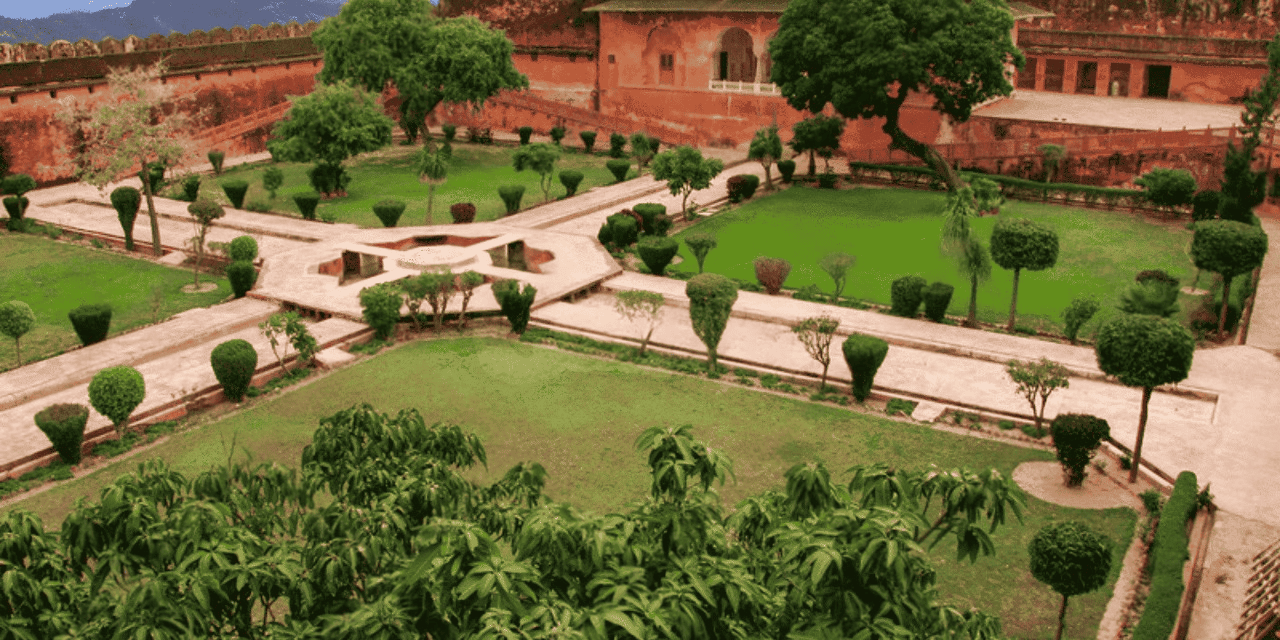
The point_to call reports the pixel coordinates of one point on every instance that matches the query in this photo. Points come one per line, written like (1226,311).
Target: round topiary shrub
(618,168)
(115,392)
(625,229)
(570,179)
(234,362)
(389,212)
(605,234)
(511,196)
(307,203)
(463,212)
(937,297)
(657,253)
(235,190)
(242,276)
(1077,437)
(786,168)
(91,322)
(64,425)
(907,293)
(243,248)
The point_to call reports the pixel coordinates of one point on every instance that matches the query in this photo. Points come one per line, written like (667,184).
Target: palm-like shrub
(234,362)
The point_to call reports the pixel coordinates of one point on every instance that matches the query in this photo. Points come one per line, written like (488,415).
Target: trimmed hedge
(191,187)
(657,253)
(742,187)
(235,190)
(234,362)
(617,145)
(618,168)
(64,425)
(243,248)
(786,168)
(242,276)
(463,212)
(511,196)
(1076,437)
(907,293)
(570,179)
(1168,553)
(307,203)
(91,322)
(864,355)
(588,140)
(650,215)
(389,211)
(620,230)
(937,297)
(1011,187)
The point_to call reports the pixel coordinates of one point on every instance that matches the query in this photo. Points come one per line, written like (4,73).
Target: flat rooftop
(1143,114)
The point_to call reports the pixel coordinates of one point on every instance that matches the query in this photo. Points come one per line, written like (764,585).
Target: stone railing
(1221,50)
(761,88)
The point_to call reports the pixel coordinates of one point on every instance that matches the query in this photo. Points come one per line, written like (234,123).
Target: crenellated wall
(1254,19)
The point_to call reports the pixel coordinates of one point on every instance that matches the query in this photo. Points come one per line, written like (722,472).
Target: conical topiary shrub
(389,212)
(64,425)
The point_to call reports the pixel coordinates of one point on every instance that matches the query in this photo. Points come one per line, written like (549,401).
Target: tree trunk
(973,302)
(1226,303)
(644,344)
(768,174)
(1062,619)
(711,360)
(1142,430)
(151,209)
(813,167)
(1243,327)
(903,142)
(199,259)
(17,346)
(826,365)
(431,194)
(1013,306)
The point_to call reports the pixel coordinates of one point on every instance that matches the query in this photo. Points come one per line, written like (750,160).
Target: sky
(29,9)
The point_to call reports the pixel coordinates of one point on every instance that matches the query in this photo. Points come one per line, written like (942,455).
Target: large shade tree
(429,60)
(329,125)
(865,57)
(1144,351)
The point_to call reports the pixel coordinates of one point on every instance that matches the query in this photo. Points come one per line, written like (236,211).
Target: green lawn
(475,175)
(895,232)
(579,416)
(55,277)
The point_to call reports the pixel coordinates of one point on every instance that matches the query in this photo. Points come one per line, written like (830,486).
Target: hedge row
(1014,188)
(1168,553)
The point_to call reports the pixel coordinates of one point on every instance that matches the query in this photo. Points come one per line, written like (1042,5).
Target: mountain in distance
(145,17)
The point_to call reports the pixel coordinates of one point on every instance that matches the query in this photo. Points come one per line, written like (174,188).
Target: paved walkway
(1147,114)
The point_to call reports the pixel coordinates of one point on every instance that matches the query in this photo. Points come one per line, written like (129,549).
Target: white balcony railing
(762,88)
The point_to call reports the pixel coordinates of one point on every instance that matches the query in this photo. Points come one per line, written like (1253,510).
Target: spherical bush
(234,362)
(242,276)
(463,212)
(92,322)
(243,248)
(116,392)
(64,425)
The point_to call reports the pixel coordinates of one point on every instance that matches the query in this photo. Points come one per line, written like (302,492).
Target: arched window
(736,60)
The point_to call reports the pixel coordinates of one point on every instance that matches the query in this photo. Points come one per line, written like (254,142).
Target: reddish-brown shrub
(771,273)
(463,212)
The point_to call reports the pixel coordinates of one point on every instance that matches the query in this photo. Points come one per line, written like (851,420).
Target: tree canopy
(1017,244)
(381,535)
(1228,248)
(816,133)
(864,57)
(766,148)
(685,171)
(430,60)
(329,125)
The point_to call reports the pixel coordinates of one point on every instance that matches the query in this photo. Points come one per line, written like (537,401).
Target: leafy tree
(1144,351)
(380,305)
(540,158)
(284,329)
(1038,380)
(700,244)
(685,171)
(140,123)
(1076,437)
(817,134)
(1242,187)
(1168,188)
(16,320)
(115,392)
(643,306)
(415,291)
(204,212)
(864,57)
(272,179)
(711,297)
(766,148)
(816,335)
(1072,559)
(433,168)
(1017,244)
(429,60)
(1228,248)
(329,125)
(467,283)
(837,264)
(1053,157)
(642,149)
(440,287)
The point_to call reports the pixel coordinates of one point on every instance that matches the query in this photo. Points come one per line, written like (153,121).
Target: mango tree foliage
(382,534)
(865,57)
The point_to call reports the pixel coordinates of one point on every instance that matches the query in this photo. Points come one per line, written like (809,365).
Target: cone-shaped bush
(307,203)
(864,355)
(126,201)
(242,276)
(907,293)
(92,322)
(557,134)
(511,196)
(215,159)
(937,297)
(618,168)
(711,297)
(116,392)
(389,212)
(588,140)
(649,213)
(234,362)
(657,253)
(617,145)
(786,168)
(515,302)
(525,133)
(191,187)
(64,425)
(570,179)
(235,190)
(772,273)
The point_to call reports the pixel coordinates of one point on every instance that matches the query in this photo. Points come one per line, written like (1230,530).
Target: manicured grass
(55,277)
(475,175)
(580,416)
(895,232)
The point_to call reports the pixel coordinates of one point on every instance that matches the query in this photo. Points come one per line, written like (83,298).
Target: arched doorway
(736,59)
(661,57)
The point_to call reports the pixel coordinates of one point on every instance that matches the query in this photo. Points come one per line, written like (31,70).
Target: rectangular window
(1086,77)
(667,61)
(611,59)
(1158,80)
(1027,77)
(724,65)
(1053,72)
(666,68)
